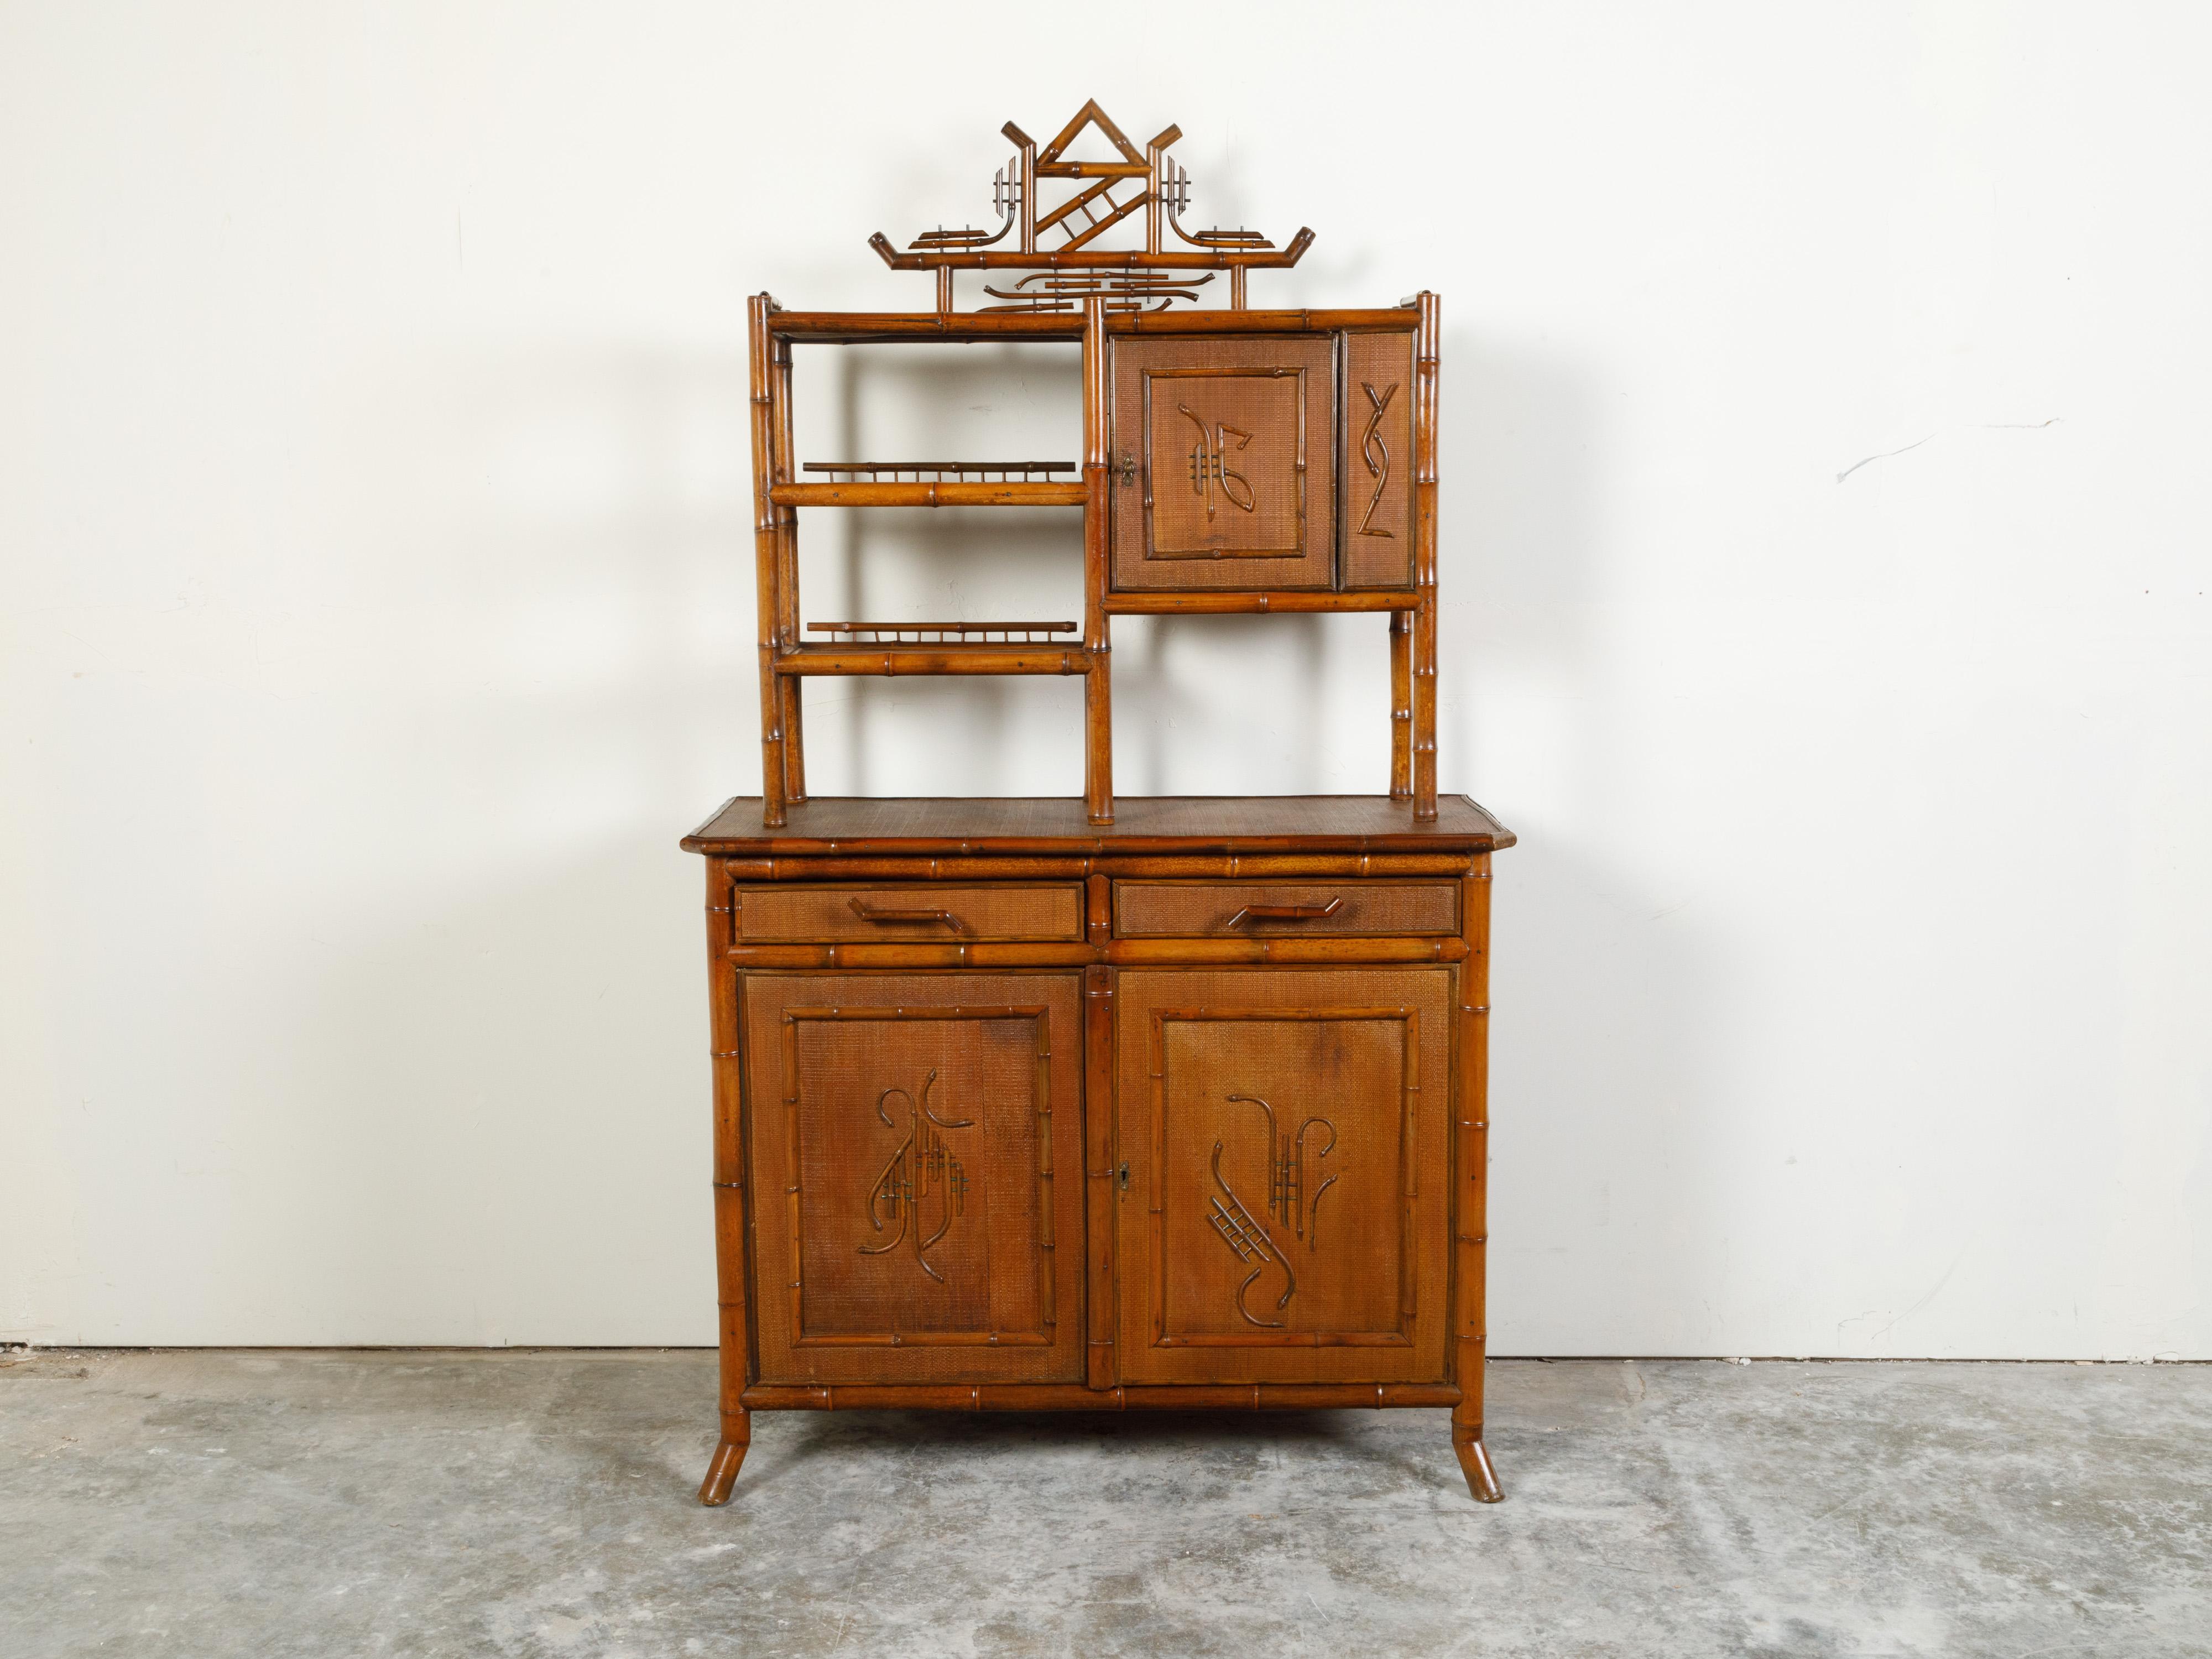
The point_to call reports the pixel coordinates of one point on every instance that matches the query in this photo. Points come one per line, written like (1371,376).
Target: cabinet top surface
(1181,823)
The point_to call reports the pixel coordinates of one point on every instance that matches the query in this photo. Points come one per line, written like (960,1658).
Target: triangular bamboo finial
(1049,165)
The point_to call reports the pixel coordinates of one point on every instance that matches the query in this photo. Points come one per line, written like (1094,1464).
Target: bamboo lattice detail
(1287,1202)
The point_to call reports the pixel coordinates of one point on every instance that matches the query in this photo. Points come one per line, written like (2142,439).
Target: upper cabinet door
(1286,1136)
(1377,460)
(917,1172)
(1223,456)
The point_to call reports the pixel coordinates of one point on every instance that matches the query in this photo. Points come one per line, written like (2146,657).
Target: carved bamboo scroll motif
(922,1169)
(1287,1201)
(1376,453)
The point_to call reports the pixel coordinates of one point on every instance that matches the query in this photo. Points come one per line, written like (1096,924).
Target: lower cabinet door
(917,1150)
(1286,1134)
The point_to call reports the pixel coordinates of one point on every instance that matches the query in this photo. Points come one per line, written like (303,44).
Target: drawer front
(916,1145)
(1235,908)
(926,911)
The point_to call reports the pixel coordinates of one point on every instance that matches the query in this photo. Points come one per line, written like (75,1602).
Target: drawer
(1196,910)
(922,911)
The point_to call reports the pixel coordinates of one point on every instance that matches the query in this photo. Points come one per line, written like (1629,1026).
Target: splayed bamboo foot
(1475,1463)
(722,1473)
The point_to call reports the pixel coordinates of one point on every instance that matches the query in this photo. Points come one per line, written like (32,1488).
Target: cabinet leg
(1475,1463)
(729,1456)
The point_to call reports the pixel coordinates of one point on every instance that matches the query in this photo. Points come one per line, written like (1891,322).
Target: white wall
(377,614)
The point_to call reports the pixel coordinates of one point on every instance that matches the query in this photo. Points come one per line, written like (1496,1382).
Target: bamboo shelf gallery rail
(889,650)
(933,484)
(943,633)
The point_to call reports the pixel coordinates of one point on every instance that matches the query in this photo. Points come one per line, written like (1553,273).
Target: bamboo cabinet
(1109,1103)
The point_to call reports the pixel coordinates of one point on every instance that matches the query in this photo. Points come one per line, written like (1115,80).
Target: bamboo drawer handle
(1286,912)
(945,918)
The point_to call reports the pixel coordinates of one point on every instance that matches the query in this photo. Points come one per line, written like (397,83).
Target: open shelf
(1374,462)
(934,483)
(892,661)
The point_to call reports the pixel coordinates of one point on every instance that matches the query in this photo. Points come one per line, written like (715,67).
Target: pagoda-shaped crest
(1064,246)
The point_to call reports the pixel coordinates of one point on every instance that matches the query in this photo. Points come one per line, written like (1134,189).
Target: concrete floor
(242,1504)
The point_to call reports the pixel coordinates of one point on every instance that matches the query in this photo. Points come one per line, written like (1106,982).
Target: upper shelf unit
(1233,460)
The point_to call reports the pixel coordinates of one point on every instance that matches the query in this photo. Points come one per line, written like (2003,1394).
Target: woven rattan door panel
(1223,463)
(917,1150)
(1376,436)
(1287,1140)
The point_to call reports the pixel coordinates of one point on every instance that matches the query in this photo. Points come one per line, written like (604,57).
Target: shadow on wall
(970,734)
(1602,1142)
(571,687)
(518,1089)
(495,1019)
(1606,1145)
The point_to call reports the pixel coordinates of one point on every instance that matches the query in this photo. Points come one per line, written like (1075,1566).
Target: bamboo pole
(1009,493)
(889,661)
(1155,152)
(1080,255)
(767,562)
(1470,1205)
(729,1167)
(1119,953)
(1027,175)
(1401,705)
(1427,343)
(1060,1396)
(790,708)
(1260,603)
(1202,866)
(1302,320)
(852,326)
(1101,1367)
(1098,644)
